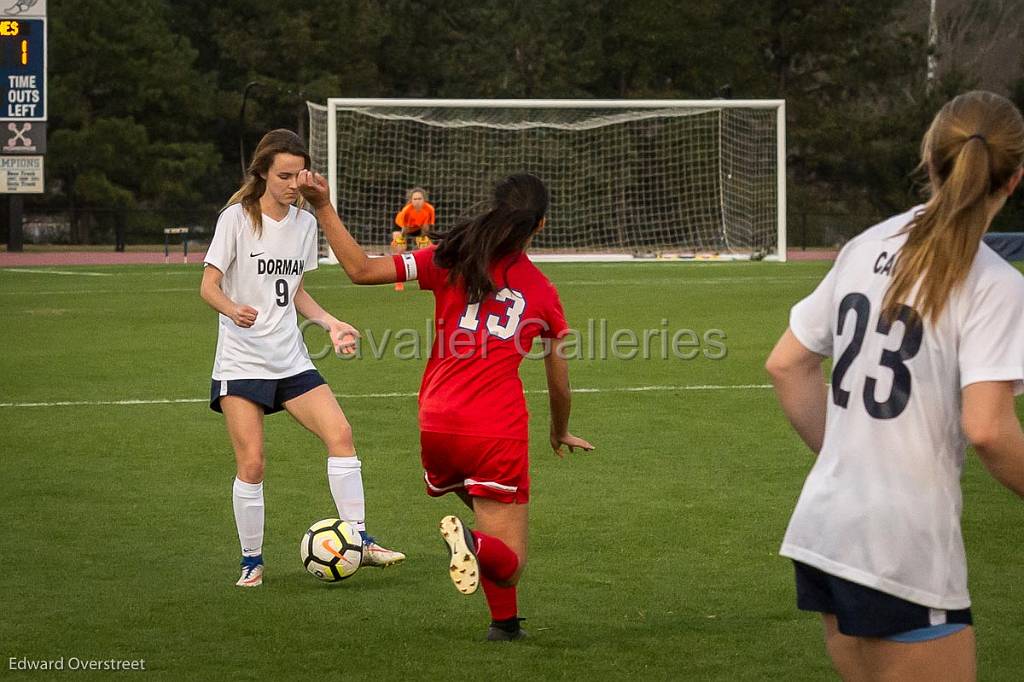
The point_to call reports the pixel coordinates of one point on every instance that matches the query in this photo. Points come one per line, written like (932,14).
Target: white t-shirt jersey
(264,273)
(881,506)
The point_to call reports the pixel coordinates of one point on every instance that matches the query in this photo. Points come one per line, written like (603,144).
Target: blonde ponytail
(971,151)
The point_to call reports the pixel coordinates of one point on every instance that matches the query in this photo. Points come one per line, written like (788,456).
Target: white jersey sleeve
(810,320)
(221,253)
(992,330)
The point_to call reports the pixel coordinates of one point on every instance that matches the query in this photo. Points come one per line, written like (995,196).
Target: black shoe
(506,630)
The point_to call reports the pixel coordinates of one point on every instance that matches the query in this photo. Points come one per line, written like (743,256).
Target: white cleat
(463,569)
(377,556)
(252,574)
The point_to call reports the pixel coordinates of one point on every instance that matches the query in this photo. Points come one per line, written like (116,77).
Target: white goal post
(629,179)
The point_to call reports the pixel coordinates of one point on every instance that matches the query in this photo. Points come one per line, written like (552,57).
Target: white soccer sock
(248,503)
(344,474)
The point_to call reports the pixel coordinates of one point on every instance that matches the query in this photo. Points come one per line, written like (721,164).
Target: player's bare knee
(251,473)
(250,466)
(339,440)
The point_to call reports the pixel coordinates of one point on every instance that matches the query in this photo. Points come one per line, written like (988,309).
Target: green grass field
(654,557)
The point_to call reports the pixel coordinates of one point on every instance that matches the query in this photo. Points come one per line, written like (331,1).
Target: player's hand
(244,316)
(570,441)
(314,188)
(344,337)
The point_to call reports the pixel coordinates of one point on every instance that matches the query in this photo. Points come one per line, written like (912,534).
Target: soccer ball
(331,550)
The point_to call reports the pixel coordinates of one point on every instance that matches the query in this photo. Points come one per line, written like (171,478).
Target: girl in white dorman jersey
(926,328)
(262,247)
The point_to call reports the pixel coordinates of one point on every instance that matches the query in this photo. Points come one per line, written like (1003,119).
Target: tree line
(145,96)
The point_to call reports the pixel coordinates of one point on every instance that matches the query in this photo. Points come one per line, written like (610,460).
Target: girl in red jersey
(415,219)
(491,303)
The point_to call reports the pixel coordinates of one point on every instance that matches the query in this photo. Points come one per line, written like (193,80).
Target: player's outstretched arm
(560,398)
(210,291)
(359,267)
(989,419)
(800,387)
(343,335)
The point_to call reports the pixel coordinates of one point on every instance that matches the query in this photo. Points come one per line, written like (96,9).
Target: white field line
(687,282)
(35,271)
(89,292)
(374,396)
(345,285)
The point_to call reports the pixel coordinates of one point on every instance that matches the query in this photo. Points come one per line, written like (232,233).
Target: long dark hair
(280,141)
(499,227)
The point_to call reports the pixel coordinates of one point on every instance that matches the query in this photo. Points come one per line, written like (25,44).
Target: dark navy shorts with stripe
(270,394)
(865,612)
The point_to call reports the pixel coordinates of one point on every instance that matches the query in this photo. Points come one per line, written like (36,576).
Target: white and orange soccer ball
(331,550)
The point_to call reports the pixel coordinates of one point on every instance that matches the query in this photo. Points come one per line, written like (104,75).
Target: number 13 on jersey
(513,313)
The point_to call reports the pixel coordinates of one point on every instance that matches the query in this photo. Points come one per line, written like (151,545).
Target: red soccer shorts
(497,468)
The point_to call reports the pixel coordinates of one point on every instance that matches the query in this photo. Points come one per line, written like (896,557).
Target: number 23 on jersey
(894,360)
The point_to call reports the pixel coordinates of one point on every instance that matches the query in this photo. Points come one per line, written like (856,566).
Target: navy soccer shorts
(865,612)
(270,394)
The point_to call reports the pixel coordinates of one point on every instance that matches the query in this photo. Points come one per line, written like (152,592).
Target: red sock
(500,600)
(497,561)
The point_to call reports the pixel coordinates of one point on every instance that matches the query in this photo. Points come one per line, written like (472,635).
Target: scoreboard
(22,106)
(22,69)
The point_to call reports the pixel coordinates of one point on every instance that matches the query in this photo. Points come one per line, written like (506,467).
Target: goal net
(628,178)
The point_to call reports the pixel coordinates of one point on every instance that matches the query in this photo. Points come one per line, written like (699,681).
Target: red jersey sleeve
(554,315)
(419,265)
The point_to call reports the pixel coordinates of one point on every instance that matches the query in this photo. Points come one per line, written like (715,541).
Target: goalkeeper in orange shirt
(415,220)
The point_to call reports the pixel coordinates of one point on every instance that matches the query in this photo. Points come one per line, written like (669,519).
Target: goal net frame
(374,107)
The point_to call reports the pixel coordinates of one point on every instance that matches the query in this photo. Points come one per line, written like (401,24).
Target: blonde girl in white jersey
(926,327)
(253,277)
